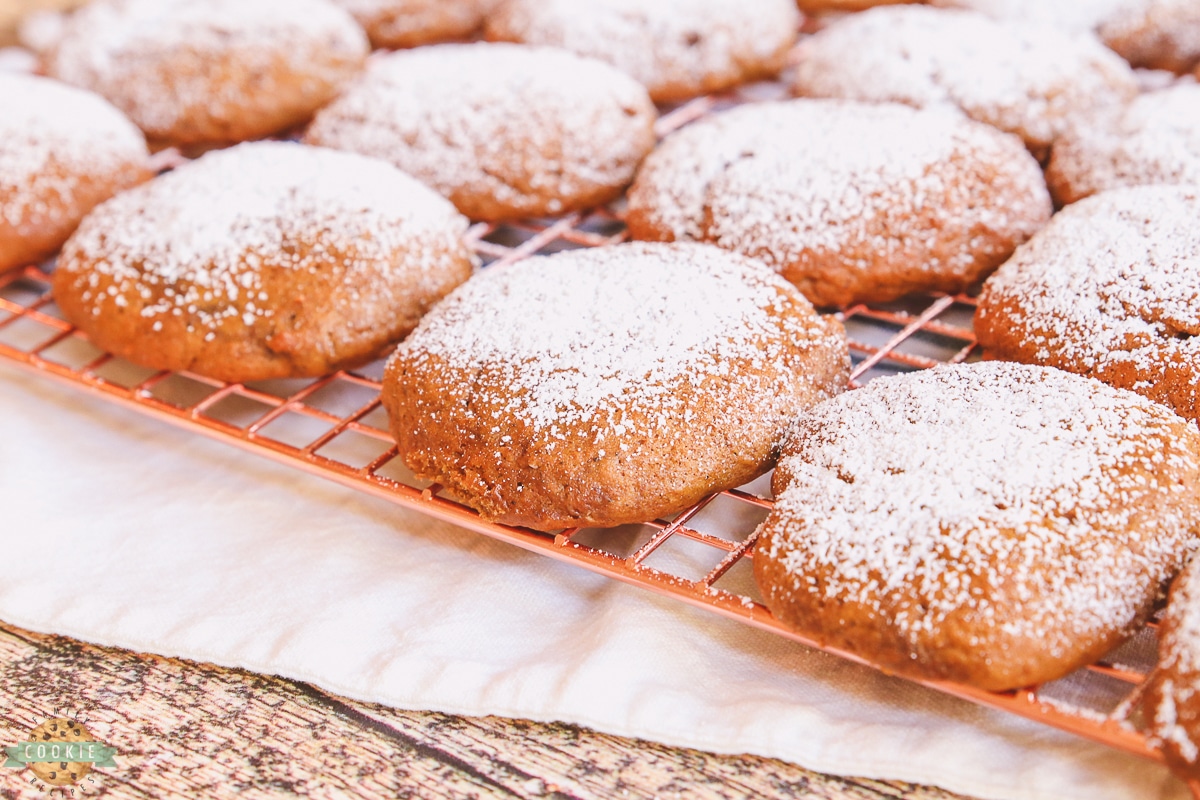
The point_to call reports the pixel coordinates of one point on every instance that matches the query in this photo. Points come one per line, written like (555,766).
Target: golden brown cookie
(266,260)
(1173,690)
(996,524)
(502,130)
(848,201)
(676,48)
(62,151)
(409,23)
(1075,16)
(608,386)
(212,72)
(1159,34)
(822,6)
(1025,79)
(1109,289)
(1155,139)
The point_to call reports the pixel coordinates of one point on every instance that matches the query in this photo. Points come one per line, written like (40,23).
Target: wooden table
(186,728)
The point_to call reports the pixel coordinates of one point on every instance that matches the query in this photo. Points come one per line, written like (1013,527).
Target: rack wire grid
(335,427)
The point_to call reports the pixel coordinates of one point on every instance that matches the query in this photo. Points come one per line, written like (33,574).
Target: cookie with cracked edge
(504,131)
(266,260)
(993,524)
(610,385)
(1110,288)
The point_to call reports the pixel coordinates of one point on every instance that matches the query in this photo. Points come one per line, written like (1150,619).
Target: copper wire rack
(335,427)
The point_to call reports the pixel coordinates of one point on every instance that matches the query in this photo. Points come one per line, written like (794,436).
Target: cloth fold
(178,545)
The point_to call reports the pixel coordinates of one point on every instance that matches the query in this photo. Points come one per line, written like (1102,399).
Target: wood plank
(592,764)
(182,727)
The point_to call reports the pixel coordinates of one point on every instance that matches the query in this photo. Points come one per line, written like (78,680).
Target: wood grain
(186,728)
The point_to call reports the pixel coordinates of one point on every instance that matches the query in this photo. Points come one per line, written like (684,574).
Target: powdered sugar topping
(598,335)
(821,180)
(1112,283)
(955,489)
(154,58)
(510,122)
(51,135)
(820,149)
(1075,16)
(1022,78)
(1179,670)
(1164,33)
(202,236)
(659,43)
(409,22)
(1155,139)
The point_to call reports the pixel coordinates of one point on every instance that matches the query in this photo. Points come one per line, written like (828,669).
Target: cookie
(1158,34)
(849,201)
(267,260)
(1075,16)
(995,524)
(1172,699)
(1155,139)
(1109,289)
(1025,79)
(62,151)
(823,6)
(676,48)
(209,73)
(503,130)
(409,23)
(607,386)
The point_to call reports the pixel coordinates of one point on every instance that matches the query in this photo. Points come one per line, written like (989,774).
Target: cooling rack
(335,427)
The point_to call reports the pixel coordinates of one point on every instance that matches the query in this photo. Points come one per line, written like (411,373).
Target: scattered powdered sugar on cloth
(1025,79)
(946,485)
(508,122)
(1155,139)
(203,233)
(120,48)
(51,135)
(1110,287)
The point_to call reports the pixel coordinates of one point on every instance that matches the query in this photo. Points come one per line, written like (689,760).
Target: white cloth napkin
(182,546)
